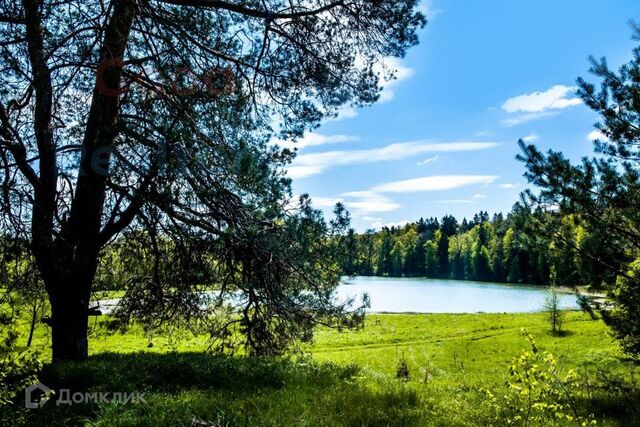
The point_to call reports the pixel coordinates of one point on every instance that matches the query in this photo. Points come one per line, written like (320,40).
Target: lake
(420,295)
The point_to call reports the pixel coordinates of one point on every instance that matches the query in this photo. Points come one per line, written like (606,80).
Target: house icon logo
(36,395)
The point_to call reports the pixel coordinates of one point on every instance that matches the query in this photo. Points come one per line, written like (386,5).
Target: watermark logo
(36,395)
(183,81)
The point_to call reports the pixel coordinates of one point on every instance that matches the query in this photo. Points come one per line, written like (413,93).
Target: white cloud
(455,201)
(531,138)
(400,71)
(325,202)
(315,163)
(313,139)
(389,66)
(344,113)
(596,134)
(434,183)
(523,118)
(303,171)
(426,7)
(359,203)
(554,98)
(375,200)
(484,133)
(509,185)
(428,160)
(479,196)
(536,105)
(368,202)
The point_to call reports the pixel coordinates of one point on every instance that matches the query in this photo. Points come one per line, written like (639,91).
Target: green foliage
(496,249)
(625,316)
(18,370)
(449,357)
(537,393)
(402,372)
(593,226)
(183,158)
(181,388)
(554,311)
(262,293)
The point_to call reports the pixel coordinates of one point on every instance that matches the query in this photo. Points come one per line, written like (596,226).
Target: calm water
(399,295)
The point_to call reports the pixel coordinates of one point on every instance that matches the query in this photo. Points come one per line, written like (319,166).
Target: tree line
(576,225)
(501,248)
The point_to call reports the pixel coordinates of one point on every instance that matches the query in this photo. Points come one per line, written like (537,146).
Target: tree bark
(69,329)
(69,297)
(73,256)
(32,326)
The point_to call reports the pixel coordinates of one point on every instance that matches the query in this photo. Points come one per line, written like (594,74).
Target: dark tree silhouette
(156,114)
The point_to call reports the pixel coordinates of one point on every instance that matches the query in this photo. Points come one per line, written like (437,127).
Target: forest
(499,248)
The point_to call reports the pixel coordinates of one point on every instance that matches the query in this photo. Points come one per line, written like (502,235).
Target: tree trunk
(70,280)
(69,319)
(69,335)
(32,326)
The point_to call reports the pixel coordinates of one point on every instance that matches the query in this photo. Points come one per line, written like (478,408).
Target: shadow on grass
(221,390)
(171,372)
(612,403)
(227,391)
(560,334)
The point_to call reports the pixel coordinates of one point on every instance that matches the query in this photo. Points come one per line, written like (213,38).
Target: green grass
(348,379)
(469,347)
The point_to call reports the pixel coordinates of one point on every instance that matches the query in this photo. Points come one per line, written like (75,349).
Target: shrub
(536,393)
(554,311)
(17,371)
(402,372)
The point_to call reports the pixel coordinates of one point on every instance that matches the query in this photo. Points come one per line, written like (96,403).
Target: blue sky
(444,136)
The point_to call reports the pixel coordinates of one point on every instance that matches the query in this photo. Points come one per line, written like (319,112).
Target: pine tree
(443,253)
(603,192)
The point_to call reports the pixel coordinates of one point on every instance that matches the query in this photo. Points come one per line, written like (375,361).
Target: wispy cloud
(359,203)
(304,171)
(484,133)
(377,200)
(536,105)
(315,163)
(509,185)
(455,202)
(479,196)
(434,183)
(428,160)
(344,113)
(325,202)
(400,71)
(554,98)
(426,7)
(524,118)
(391,71)
(369,202)
(597,135)
(531,138)
(313,139)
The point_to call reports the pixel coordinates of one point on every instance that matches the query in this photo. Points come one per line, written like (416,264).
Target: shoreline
(581,290)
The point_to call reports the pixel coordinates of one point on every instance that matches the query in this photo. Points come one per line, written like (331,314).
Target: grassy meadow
(343,378)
